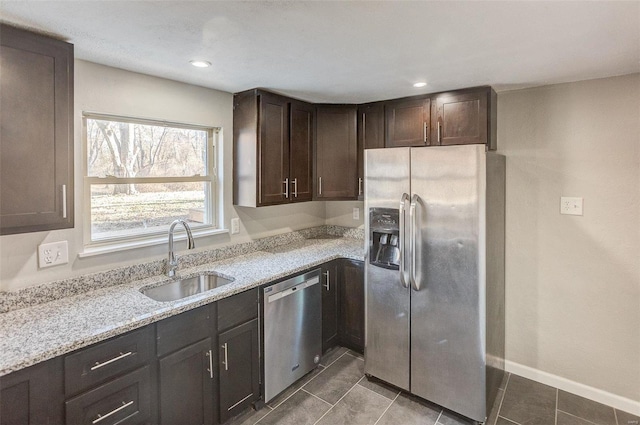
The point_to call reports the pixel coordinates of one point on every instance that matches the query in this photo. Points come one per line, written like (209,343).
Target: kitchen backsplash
(51,291)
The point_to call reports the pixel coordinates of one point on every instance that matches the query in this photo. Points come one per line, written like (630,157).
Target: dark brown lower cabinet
(123,401)
(351,314)
(329,280)
(33,396)
(186,385)
(239,367)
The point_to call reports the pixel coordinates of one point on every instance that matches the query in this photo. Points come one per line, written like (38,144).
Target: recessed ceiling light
(200,64)
(419,84)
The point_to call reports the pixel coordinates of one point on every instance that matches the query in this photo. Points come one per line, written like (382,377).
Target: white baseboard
(595,394)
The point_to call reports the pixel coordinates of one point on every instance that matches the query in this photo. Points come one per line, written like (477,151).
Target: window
(141,175)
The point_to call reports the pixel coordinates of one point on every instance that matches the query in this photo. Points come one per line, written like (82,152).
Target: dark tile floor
(337,392)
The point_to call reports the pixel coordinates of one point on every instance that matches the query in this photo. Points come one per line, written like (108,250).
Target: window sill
(106,248)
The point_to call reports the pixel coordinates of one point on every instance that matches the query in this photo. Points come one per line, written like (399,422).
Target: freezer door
(386,299)
(447,296)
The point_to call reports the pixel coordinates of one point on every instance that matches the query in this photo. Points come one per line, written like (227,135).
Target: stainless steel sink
(183,288)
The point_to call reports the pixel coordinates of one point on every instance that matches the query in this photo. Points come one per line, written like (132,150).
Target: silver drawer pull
(98,365)
(114,411)
(226,360)
(210,370)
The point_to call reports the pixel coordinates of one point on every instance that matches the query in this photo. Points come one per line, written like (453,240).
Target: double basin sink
(178,289)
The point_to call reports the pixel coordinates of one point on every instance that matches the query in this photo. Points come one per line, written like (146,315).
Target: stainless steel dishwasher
(292,331)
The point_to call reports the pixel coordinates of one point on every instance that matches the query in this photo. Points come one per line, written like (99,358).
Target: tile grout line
(291,395)
(508,420)
(579,417)
(439,416)
(343,396)
(388,407)
(504,394)
(556,409)
(615,415)
(312,394)
(337,358)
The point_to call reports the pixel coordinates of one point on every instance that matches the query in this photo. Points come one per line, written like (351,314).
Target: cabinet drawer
(184,329)
(126,400)
(237,309)
(101,362)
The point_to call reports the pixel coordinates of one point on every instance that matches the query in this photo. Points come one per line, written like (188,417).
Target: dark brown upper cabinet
(371,125)
(301,117)
(273,140)
(336,152)
(36,140)
(465,117)
(370,135)
(407,122)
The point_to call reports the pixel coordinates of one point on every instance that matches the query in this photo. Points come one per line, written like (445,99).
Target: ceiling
(347,51)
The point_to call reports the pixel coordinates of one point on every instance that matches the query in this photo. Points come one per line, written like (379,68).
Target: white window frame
(213,198)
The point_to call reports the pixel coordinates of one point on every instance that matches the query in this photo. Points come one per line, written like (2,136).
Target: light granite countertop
(43,331)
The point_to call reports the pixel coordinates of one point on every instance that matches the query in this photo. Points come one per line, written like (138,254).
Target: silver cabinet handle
(425,132)
(114,411)
(439,133)
(64,201)
(286,187)
(360,186)
(295,187)
(225,362)
(412,241)
(98,365)
(319,185)
(401,239)
(326,281)
(364,130)
(210,370)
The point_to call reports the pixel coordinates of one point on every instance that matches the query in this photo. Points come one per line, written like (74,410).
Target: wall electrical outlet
(53,254)
(356,213)
(570,206)
(235,226)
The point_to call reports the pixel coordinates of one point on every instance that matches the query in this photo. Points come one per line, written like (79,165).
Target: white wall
(103,89)
(573,283)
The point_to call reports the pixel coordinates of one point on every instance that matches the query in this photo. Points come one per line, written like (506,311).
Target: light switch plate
(53,254)
(356,213)
(235,226)
(570,205)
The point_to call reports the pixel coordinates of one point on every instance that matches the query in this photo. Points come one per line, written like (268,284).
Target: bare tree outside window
(142,175)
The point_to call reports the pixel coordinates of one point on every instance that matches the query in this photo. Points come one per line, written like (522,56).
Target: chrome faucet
(172,264)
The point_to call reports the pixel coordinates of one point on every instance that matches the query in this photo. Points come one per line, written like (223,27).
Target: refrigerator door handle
(412,241)
(403,233)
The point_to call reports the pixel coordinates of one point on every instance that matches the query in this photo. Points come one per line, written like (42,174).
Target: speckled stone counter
(43,331)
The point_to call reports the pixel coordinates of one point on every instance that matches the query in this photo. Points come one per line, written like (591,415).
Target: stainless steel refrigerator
(435,273)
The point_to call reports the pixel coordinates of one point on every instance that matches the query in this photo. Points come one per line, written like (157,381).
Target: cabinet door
(336,152)
(32,396)
(370,135)
(371,125)
(351,317)
(273,149)
(329,281)
(239,369)
(36,140)
(301,148)
(407,122)
(461,119)
(186,385)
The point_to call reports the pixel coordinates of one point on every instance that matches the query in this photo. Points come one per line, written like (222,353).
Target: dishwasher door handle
(290,291)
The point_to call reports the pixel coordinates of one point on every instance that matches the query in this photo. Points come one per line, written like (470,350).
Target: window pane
(128,209)
(124,149)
